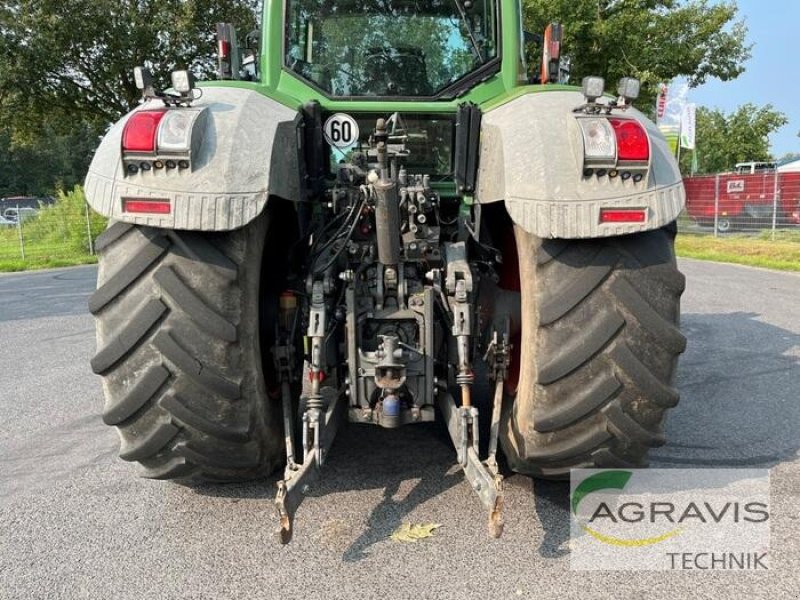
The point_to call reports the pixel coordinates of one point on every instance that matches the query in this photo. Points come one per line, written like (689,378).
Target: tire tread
(599,366)
(181,370)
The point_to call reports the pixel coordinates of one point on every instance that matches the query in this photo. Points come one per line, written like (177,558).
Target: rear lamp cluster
(159,139)
(615,147)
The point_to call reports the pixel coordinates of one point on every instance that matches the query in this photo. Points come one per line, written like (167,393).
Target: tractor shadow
(410,465)
(739,382)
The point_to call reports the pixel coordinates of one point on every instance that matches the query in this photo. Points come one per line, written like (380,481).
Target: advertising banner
(689,126)
(669,110)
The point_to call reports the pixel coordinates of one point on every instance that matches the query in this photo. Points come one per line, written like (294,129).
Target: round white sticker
(341,131)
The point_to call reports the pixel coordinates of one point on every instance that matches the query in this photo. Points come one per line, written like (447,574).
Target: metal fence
(51,234)
(740,203)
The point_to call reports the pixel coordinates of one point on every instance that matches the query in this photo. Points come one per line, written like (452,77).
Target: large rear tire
(596,352)
(177,317)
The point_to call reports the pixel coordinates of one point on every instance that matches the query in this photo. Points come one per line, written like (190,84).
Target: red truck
(745,197)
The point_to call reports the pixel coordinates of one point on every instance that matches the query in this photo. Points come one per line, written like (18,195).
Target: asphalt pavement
(75,521)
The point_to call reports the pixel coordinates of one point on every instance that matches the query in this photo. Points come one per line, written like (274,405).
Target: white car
(15,214)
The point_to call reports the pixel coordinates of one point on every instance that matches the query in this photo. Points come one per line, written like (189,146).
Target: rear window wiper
(463,14)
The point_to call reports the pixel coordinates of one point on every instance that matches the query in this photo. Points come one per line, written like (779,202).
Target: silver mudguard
(248,151)
(532,158)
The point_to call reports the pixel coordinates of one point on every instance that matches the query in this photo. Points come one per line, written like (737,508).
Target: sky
(771,76)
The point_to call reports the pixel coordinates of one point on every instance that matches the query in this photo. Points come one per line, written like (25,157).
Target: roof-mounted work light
(593,88)
(628,89)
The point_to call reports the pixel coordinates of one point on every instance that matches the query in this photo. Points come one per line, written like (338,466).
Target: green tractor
(379,214)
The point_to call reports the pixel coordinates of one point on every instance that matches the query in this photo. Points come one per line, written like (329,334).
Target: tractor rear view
(376,218)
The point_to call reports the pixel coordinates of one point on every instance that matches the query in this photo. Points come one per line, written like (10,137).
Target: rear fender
(247,150)
(532,159)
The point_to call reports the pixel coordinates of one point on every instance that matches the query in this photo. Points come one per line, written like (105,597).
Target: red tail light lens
(146,206)
(632,140)
(139,134)
(623,215)
(224,49)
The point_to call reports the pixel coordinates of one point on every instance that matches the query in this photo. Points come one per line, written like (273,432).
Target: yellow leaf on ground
(410,533)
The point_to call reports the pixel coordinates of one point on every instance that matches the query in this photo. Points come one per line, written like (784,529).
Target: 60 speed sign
(341,131)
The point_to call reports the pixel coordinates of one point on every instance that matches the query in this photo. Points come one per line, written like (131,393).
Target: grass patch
(33,264)
(782,254)
(58,236)
(781,236)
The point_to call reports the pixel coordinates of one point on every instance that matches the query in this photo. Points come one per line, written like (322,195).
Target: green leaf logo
(607,480)
(611,480)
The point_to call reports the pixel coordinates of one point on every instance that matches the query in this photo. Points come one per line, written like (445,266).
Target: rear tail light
(633,144)
(224,49)
(146,206)
(551,55)
(227,52)
(139,134)
(623,215)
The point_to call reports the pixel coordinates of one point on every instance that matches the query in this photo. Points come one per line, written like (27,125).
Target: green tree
(37,164)
(726,139)
(653,40)
(66,74)
(77,57)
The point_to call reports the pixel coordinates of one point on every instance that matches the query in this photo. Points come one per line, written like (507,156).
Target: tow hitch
(321,422)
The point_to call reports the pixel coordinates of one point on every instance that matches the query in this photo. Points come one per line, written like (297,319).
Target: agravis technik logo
(670,519)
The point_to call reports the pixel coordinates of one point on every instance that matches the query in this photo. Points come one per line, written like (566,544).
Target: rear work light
(599,144)
(623,215)
(175,132)
(139,134)
(633,144)
(146,206)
